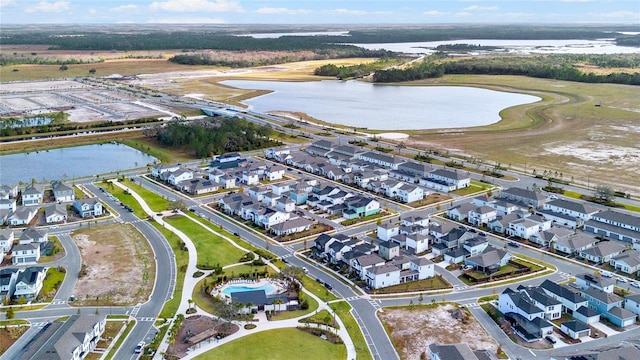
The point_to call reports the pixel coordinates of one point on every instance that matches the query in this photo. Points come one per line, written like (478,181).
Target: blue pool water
(268,288)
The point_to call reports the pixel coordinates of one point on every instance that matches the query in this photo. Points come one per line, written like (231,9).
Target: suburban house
(29,282)
(277,154)
(628,262)
(615,225)
(526,227)
(33,235)
(197,186)
(603,252)
(575,329)
(414,169)
(8,205)
(609,306)
(158,170)
(8,278)
(574,244)
(388,230)
(387,161)
(25,254)
(568,213)
(457,352)
(6,240)
(417,242)
(586,314)
(585,281)
(490,261)
(274,172)
(388,249)
(69,340)
(632,303)
(62,192)
(524,196)
(461,212)
(227,161)
(501,223)
(360,206)
(571,301)
(88,207)
(444,180)
(410,193)
(398,271)
(501,206)
(22,216)
(552,308)
(32,195)
(527,319)
(548,237)
(364,262)
(55,213)
(482,215)
(292,226)
(8,191)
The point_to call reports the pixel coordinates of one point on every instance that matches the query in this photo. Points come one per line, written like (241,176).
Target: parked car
(328,286)
(550,339)
(514,244)
(319,281)
(139,347)
(306,271)
(236,234)
(621,279)
(607,274)
(635,284)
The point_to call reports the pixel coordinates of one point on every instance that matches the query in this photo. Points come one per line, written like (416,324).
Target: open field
(120,269)
(288,343)
(412,329)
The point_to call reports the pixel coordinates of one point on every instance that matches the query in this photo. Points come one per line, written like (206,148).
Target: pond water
(384,107)
(600,46)
(71,162)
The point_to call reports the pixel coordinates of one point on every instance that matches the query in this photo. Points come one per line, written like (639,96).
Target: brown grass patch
(120,267)
(9,335)
(413,329)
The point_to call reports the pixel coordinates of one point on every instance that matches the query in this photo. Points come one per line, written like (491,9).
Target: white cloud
(519,15)
(618,15)
(125,7)
(435,13)
(185,20)
(196,6)
(480,8)
(49,7)
(463,14)
(348,12)
(4,3)
(271,10)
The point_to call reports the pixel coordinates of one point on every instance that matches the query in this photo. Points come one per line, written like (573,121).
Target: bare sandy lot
(118,266)
(413,329)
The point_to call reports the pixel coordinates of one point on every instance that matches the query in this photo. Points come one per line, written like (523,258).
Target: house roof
(29,246)
(624,352)
(575,325)
(524,193)
(464,208)
(587,311)
(256,297)
(30,274)
(596,280)
(388,225)
(617,217)
(453,351)
(577,242)
(631,258)
(573,206)
(613,228)
(382,157)
(368,260)
(6,234)
(541,297)
(60,187)
(455,175)
(292,224)
(633,297)
(6,275)
(421,261)
(53,209)
(490,256)
(522,301)
(621,313)
(414,167)
(383,269)
(604,248)
(561,291)
(602,296)
(32,233)
(387,244)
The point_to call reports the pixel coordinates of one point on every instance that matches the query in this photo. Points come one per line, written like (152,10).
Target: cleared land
(412,329)
(120,268)
(277,344)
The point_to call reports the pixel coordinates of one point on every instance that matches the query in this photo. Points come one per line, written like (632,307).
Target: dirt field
(10,335)
(413,329)
(195,325)
(120,268)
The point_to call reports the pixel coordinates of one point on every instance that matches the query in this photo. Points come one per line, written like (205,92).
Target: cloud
(186,20)
(4,3)
(463,14)
(271,10)
(196,6)
(618,15)
(125,7)
(347,12)
(480,8)
(435,13)
(49,7)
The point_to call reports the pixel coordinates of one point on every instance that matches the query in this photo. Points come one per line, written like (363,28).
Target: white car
(139,347)
(635,284)
(621,279)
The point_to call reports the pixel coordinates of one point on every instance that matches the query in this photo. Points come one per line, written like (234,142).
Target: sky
(317,12)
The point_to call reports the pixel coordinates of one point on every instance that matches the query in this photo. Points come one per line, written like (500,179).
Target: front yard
(435,283)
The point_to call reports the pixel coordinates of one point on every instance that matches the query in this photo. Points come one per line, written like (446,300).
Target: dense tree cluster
(212,136)
(355,71)
(559,67)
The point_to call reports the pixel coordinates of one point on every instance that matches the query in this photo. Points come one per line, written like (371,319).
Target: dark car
(319,280)
(328,286)
(192,209)
(514,244)
(550,339)
(236,234)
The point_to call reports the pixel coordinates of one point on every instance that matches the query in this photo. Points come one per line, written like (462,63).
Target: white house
(22,216)
(88,207)
(575,329)
(280,188)
(291,226)
(460,212)
(227,181)
(529,226)
(29,282)
(250,177)
(632,303)
(628,262)
(383,160)
(603,252)
(62,192)
(25,254)
(574,209)
(482,215)
(6,240)
(182,174)
(574,244)
(455,178)
(33,235)
(55,213)
(364,262)
(9,204)
(382,276)
(274,172)
(410,193)
(417,242)
(158,170)
(32,195)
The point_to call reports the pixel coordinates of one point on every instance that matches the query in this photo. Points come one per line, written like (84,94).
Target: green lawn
(343,310)
(52,281)
(313,306)
(471,189)
(155,201)
(277,344)
(212,249)
(234,271)
(317,289)
(323,317)
(163,154)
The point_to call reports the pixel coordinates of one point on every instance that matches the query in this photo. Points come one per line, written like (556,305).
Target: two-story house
(88,207)
(29,282)
(62,192)
(603,252)
(609,306)
(23,254)
(32,195)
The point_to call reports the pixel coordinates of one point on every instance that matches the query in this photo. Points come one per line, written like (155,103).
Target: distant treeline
(213,136)
(559,67)
(222,38)
(280,57)
(355,71)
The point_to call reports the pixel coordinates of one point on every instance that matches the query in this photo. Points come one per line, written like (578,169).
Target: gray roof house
(63,192)
(603,252)
(458,352)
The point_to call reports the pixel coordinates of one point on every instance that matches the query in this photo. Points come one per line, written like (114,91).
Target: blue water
(71,162)
(268,288)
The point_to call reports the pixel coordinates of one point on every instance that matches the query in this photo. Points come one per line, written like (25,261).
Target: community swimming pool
(267,287)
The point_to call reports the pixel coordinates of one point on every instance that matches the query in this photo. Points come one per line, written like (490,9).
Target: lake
(384,107)
(71,162)
(600,46)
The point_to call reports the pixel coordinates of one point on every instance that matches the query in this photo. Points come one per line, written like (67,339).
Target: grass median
(343,310)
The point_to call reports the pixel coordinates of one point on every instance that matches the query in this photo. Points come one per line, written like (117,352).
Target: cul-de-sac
(204,179)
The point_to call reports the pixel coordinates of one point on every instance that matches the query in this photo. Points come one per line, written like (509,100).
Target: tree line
(211,136)
(356,71)
(559,67)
